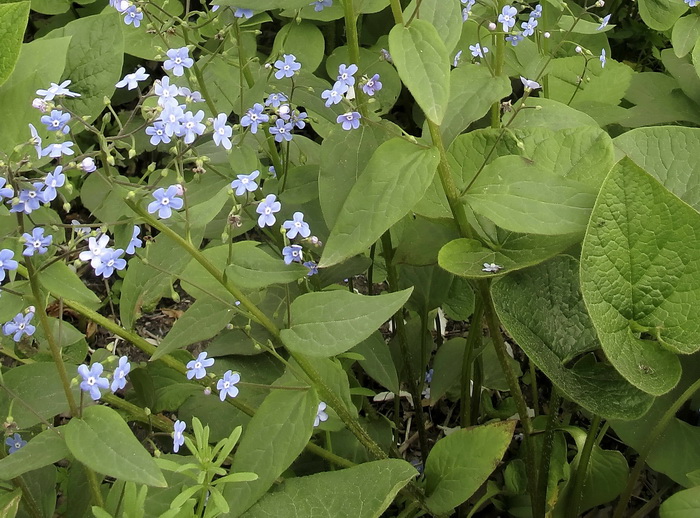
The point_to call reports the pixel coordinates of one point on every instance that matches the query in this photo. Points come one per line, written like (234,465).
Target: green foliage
(13,21)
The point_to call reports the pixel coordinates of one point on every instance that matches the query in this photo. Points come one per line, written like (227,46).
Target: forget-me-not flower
(93,380)
(58,149)
(349,120)
(7,262)
(120,373)
(178,437)
(57,90)
(321,414)
(507,17)
(253,117)
(96,248)
(297,226)
(190,96)
(36,242)
(56,121)
(529,27)
(243,13)
(529,84)
(15,443)
(5,192)
(603,59)
(227,385)
(346,74)
(335,94)
(275,99)
(604,22)
(178,60)
(372,85)
(282,130)
(691,3)
(29,199)
(52,181)
(35,140)
(19,326)
(491,268)
(291,254)
(109,261)
(267,209)
(222,131)
(172,116)
(192,125)
(313,268)
(165,201)
(157,133)
(299,119)
(133,16)
(515,38)
(131,80)
(134,242)
(455,61)
(197,368)
(319,5)
(166,92)
(245,182)
(286,66)
(88,165)
(477,50)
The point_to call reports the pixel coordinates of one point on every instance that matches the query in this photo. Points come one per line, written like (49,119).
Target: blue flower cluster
(105,260)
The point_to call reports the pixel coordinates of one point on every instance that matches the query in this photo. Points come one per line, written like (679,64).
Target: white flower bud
(40,105)
(578,49)
(492,26)
(180,189)
(547,35)
(600,3)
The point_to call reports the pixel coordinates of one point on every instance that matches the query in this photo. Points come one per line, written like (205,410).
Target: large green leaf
(252,268)
(459,463)
(327,323)
(44,449)
(63,282)
(104,442)
(364,491)
(280,428)
(445,14)
(639,277)
(684,504)
(660,15)
(423,64)
(543,310)
(667,153)
(377,361)
(304,40)
(13,21)
(393,181)
(685,34)
(517,195)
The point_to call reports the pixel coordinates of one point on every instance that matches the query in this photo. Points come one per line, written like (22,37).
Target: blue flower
(157,133)
(120,373)
(429,375)
(272,171)
(35,140)
(297,226)
(92,381)
(691,3)
(36,242)
(292,254)
(53,180)
(166,92)
(131,80)
(7,262)
(172,116)
(515,38)
(372,85)
(133,15)
(253,117)
(334,95)
(455,61)
(29,199)
(281,130)
(243,13)
(5,192)
(134,242)
(197,367)
(190,96)
(349,121)
(604,22)
(227,385)
(313,268)
(88,165)
(507,17)
(529,27)
(96,249)
(56,150)
(245,182)
(275,100)
(529,84)
(320,4)
(110,260)
(15,443)
(321,415)
(267,209)
(222,131)
(19,326)
(165,201)
(466,11)
(491,268)
(299,119)
(477,50)
(178,60)
(192,126)
(346,74)
(178,437)
(57,90)
(286,66)
(56,121)
(536,12)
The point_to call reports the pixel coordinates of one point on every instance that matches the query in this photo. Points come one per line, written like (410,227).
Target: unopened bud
(66,207)
(110,159)
(547,35)
(578,49)
(31,309)
(132,153)
(180,189)
(492,26)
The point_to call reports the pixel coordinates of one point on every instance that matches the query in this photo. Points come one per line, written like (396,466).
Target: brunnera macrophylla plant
(348,258)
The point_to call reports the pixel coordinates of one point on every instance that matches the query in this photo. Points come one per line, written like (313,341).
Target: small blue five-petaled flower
(197,368)
(178,60)
(36,242)
(120,374)
(477,50)
(58,149)
(346,74)
(134,242)
(56,121)
(529,84)
(372,85)
(335,94)
(297,226)
(491,268)
(227,385)
(321,414)
(320,4)
(110,260)
(243,13)
(507,17)
(292,254)
(131,80)
(267,209)
(178,437)
(15,443)
(191,126)
(52,181)
(133,16)
(282,130)
(349,120)
(57,90)
(93,380)
(275,100)
(222,132)
(5,192)
(604,22)
(165,201)
(287,66)
(19,326)
(28,199)
(7,262)
(245,182)
(312,266)
(253,117)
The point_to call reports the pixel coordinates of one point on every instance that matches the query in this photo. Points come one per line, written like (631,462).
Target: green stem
(500,56)
(94,487)
(27,497)
(396,11)
(574,504)
(648,444)
(540,499)
(354,48)
(473,341)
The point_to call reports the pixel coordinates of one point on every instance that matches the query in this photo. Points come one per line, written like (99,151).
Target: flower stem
(574,503)
(396,11)
(473,340)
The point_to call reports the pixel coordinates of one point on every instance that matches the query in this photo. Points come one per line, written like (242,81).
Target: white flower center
(245,181)
(110,263)
(91,380)
(268,210)
(253,117)
(197,365)
(37,244)
(222,131)
(178,60)
(227,384)
(21,326)
(297,224)
(18,445)
(55,123)
(165,201)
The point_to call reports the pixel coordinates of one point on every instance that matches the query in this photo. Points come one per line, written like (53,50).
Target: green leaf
(393,181)
(550,114)
(265,5)
(304,40)
(378,363)
(519,196)
(684,504)
(542,309)
(281,428)
(94,62)
(651,149)
(13,21)
(202,321)
(423,64)
(327,323)
(44,449)
(63,282)
(104,442)
(639,277)
(446,14)
(605,85)
(37,391)
(363,491)
(566,22)
(660,15)
(685,34)
(459,463)
(252,268)
(9,503)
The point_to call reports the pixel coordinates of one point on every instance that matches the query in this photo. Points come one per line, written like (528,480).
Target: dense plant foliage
(349,258)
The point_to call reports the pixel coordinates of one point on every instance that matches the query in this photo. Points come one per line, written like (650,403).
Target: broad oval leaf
(327,323)
(684,504)
(253,268)
(446,14)
(393,181)
(63,282)
(13,21)
(104,442)
(685,34)
(423,64)
(459,463)
(660,15)
(640,277)
(363,491)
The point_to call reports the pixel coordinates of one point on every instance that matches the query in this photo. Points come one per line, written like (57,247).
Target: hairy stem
(574,503)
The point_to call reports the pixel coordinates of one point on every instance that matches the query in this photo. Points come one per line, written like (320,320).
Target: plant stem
(94,486)
(473,340)
(540,499)
(396,11)
(27,496)
(500,56)
(574,503)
